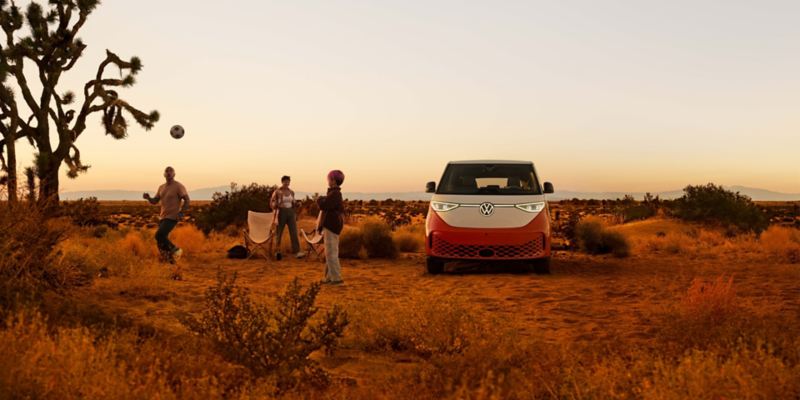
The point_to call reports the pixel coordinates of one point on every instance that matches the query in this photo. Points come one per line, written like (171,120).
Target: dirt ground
(586,298)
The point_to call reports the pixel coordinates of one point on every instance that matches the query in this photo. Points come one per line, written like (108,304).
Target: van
(488,210)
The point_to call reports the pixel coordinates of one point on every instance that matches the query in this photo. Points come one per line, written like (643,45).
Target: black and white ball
(177,132)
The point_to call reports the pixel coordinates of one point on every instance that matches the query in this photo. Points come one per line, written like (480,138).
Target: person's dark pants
(287,216)
(162,236)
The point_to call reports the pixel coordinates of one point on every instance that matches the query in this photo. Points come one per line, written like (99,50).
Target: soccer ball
(176,131)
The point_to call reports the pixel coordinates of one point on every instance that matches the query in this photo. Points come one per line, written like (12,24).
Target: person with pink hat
(331,223)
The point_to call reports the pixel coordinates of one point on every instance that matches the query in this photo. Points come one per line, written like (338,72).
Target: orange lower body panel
(525,243)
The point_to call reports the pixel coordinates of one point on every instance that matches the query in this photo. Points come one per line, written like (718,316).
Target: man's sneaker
(177,253)
(301,254)
(335,283)
(278,256)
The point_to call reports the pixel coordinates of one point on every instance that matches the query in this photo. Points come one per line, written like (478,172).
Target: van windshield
(502,179)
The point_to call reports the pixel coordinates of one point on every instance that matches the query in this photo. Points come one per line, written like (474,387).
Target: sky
(601,95)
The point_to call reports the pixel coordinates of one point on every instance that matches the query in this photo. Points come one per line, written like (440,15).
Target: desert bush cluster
(594,237)
(83,212)
(664,236)
(715,205)
(230,208)
(372,237)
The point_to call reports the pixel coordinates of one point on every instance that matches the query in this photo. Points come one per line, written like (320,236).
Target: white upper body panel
(504,214)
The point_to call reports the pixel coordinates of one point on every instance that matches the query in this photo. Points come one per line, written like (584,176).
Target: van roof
(490,162)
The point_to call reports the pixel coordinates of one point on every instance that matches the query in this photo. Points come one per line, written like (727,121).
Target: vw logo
(487,209)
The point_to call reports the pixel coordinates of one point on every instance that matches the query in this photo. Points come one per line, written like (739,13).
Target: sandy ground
(585,298)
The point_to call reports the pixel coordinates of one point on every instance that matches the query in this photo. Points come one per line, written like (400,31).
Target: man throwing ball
(174,201)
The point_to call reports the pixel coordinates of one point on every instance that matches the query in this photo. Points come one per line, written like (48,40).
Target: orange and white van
(488,210)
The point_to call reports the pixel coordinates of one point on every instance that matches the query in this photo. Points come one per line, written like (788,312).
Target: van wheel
(434,265)
(541,266)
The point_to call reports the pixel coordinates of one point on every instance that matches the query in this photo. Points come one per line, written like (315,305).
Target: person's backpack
(238,251)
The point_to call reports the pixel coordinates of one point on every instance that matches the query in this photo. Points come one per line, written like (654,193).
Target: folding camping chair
(315,243)
(260,232)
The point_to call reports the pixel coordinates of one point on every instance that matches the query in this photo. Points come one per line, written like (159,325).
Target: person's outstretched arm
(152,200)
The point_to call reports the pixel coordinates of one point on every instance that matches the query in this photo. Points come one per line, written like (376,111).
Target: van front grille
(532,249)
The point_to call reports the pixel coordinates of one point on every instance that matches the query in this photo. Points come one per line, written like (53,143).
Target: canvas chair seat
(260,232)
(314,241)
(315,244)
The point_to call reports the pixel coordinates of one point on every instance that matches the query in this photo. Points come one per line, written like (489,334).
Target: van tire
(541,266)
(434,265)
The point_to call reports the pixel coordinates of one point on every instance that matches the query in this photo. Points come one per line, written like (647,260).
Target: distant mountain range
(207,193)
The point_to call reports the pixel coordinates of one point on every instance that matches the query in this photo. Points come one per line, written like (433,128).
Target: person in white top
(283,201)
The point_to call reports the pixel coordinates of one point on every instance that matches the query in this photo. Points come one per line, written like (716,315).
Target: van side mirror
(430,187)
(548,188)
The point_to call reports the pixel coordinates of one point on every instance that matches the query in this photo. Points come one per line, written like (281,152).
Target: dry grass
(663,236)
(709,338)
(714,301)
(410,238)
(44,362)
(782,243)
(190,239)
(134,243)
(756,373)
(428,326)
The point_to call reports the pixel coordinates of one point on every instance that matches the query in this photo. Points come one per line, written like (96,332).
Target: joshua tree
(8,130)
(46,36)
(30,176)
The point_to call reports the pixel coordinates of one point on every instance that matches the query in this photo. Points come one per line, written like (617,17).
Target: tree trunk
(48,182)
(12,170)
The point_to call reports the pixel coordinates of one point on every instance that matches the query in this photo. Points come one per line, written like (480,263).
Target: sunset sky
(601,95)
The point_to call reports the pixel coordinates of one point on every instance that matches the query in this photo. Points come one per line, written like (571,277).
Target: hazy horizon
(612,96)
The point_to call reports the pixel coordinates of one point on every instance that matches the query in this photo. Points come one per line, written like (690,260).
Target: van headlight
(440,206)
(531,207)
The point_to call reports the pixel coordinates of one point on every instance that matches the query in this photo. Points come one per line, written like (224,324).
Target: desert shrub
(274,342)
(230,208)
(594,238)
(616,243)
(425,327)
(714,301)
(351,243)
(637,212)
(189,238)
(82,212)
(377,236)
(409,238)
(713,204)
(782,242)
(28,255)
(134,244)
